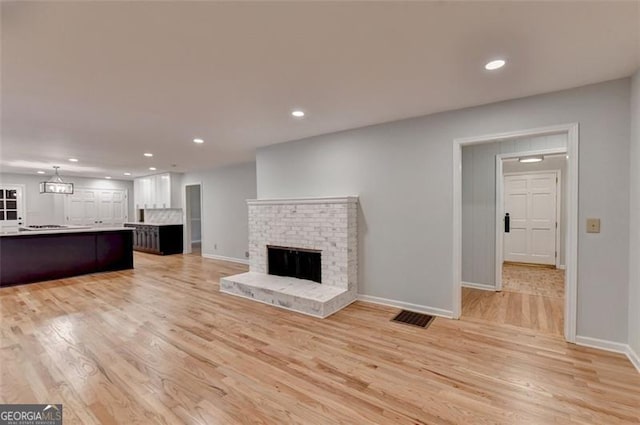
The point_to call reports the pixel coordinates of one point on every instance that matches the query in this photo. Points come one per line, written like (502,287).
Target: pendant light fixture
(56,185)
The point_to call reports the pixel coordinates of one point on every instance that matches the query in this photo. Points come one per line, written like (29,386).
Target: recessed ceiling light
(530,159)
(198,141)
(152,168)
(73,159)
(297,113)
(127,174)
(108,177)
(494,64)
(149,154)
(40,172)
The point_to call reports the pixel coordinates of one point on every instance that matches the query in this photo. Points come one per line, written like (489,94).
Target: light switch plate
(593,225)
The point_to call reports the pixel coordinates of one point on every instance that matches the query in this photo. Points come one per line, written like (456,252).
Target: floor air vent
(412,318)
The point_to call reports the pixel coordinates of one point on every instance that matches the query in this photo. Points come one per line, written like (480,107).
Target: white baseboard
(406,306)
(482,286)
(603,344)
(562,267)
(196,241)
(615,347)
(633,356)
(223,258)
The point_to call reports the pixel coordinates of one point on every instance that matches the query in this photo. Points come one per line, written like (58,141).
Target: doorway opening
(530,247)
(531,210)
(515,228)
(193,219)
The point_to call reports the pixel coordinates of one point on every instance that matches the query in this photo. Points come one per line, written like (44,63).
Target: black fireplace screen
(292,262)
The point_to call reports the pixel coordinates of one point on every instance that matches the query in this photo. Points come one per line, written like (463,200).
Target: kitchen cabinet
(162,191)
(161,239)
(158,191)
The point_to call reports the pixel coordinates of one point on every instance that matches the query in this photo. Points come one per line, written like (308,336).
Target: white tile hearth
(299,295)
(328,225)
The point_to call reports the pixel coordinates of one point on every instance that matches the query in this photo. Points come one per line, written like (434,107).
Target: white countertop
(151,223)
(64,231)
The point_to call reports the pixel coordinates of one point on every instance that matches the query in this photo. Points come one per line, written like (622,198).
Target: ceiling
(106,81)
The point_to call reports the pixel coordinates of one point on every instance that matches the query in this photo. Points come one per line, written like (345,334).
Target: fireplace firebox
(294,262)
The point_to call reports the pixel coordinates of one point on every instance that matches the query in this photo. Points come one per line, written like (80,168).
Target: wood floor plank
(532,297)
(161,345)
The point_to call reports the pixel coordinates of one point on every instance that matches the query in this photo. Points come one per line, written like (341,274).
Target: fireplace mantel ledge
(290,201)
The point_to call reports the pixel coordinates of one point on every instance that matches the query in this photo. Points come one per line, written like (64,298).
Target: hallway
(532,297)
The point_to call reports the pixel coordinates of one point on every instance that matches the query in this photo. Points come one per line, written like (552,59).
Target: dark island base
(36,258)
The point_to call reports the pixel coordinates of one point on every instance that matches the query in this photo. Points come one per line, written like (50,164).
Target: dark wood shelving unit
(157,239)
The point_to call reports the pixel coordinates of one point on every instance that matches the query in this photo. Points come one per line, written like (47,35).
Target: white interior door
(82,208)
(97,208)
(111,209)
(11,208)
(531,202)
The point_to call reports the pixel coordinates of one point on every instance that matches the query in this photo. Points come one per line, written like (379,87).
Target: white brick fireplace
(328,225)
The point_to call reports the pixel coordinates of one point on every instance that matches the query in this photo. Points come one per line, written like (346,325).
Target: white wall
(402,172)
(479,201)
(634,243)
(225,222)
(47,208)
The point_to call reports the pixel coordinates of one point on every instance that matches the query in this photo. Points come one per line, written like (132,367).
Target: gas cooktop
(41,227)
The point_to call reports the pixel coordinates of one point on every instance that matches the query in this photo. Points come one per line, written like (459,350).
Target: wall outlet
(593,225)
(246,254)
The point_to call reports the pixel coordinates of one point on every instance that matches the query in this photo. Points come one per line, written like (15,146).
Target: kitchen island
(34,256)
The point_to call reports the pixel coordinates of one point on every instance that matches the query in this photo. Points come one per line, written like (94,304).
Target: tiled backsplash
(163,216)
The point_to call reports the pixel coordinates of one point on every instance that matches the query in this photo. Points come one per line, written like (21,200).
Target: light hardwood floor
(532,297)
(160,344)
(533,280)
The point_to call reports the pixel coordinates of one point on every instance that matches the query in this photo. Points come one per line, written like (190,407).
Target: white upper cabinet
(157,191)
(163,191)
(149,191)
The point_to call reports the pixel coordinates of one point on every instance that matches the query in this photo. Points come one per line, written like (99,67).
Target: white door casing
(572,130)
(531,201)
